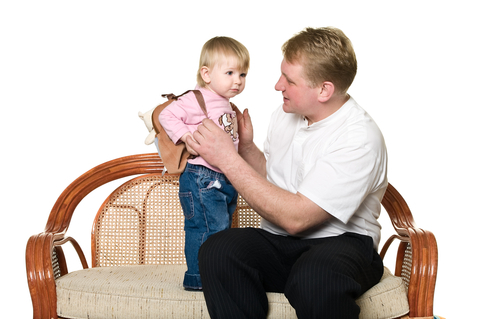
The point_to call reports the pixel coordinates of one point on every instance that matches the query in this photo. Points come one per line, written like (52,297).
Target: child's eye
(243,75)
(229,72)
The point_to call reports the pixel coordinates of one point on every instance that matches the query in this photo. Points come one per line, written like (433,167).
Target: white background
(73,76)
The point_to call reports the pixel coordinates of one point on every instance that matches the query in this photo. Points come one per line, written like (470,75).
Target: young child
(208,199)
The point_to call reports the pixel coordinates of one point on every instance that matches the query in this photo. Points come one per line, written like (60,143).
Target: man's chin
(286,108)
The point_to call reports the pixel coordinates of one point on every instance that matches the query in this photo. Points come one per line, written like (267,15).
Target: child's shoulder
(187,99)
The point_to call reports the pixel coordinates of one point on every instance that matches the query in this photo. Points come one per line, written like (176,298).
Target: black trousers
(320,277)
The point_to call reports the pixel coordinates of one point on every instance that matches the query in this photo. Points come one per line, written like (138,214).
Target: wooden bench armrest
(417,256)
(41,275)
(61,214)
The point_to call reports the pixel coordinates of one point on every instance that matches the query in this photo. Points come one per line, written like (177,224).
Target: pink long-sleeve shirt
(185,114)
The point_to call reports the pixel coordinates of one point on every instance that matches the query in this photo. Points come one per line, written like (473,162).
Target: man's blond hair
(326,54)
(227,47)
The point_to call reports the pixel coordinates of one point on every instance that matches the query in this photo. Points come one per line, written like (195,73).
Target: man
(318,187)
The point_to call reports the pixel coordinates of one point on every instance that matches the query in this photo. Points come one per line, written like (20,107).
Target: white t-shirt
(339,163)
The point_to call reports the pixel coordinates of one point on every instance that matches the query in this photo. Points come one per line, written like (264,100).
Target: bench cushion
(155,291)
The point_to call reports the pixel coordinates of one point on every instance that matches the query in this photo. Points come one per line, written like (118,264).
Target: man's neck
(326,109)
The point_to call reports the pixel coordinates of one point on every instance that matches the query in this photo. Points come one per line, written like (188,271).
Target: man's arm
(293,212)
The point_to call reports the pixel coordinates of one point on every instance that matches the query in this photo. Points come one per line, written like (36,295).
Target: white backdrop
(73,76)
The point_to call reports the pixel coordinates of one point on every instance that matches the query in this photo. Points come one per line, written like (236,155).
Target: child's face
(225,78)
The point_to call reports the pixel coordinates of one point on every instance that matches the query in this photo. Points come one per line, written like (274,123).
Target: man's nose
(280,86)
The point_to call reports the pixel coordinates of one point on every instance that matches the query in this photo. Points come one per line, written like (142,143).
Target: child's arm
(184,140)
(177,117)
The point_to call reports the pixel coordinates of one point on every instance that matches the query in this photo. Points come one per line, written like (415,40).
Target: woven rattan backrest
(142,223)
(245,216)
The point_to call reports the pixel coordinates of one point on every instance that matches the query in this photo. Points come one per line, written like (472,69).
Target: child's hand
(184,140)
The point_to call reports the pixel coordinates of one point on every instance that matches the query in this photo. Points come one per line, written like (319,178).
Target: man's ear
(205,73)
(326,91)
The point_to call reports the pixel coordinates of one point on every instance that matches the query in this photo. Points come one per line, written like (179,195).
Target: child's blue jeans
(208,201)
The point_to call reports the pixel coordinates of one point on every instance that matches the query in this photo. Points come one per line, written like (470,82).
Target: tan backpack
(174,156)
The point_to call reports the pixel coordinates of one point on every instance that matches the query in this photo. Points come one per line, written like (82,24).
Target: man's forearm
(293,212)
(250,183)
(254,157)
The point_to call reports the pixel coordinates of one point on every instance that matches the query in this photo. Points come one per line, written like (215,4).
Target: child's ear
(205,73)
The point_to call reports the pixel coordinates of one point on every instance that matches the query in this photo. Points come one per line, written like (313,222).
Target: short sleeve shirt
(339,163)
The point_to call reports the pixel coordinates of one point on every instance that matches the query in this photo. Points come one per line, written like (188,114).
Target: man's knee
(234,245)
(208,249)
(322,292)
(219,246)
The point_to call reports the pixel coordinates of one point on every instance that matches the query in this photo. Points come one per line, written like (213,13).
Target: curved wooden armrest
(40,275)
(41,272)
(45,262)
(423,273)
(418,247)
(62,211)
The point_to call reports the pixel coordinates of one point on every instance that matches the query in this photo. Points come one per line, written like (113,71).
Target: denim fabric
(208,201)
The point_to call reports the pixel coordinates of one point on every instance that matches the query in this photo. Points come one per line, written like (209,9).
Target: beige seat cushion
(387,299)
(155,291)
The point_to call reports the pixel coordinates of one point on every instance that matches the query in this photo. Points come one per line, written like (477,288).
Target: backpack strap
(201,101)
(198,95)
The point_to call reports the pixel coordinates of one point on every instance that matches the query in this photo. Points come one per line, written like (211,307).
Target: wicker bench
(138,261)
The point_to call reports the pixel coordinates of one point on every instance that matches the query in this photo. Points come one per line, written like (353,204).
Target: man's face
(298,97)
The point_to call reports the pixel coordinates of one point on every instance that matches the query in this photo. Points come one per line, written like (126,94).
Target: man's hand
(245,128)
(212,144)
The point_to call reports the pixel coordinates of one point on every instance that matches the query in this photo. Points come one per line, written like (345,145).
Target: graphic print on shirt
(229,123)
